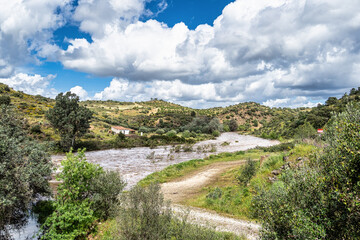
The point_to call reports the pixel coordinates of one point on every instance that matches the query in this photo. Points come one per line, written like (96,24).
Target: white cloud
(25,26)
(258,47)
(81,92)
(299,101)
(255,51)
(31,84)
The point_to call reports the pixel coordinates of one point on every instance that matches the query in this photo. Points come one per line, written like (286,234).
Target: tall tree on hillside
(24,172)
(69,118)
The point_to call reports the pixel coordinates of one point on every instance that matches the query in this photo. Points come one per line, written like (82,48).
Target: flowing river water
(136,163)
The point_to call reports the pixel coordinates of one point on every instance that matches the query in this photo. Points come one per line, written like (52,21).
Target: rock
(286,158)
(299,159)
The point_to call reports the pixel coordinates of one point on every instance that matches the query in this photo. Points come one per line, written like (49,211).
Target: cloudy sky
(199,53)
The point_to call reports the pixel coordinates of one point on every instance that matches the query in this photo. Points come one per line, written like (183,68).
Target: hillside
(159,117)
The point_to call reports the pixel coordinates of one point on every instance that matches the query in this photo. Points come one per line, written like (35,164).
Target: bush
(5,100)
(144,215)
(160,131)
(216,133)
(36,129)
(292,208)
(171,133)
(319,201)
(186,134)
(247,172)
(305,131)
(25,168)
(87,193)
(233,125)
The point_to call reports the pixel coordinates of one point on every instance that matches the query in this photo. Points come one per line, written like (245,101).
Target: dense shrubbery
(320,201)
(204,125)
(25,168)
(145,215)
(290,123)
(87,193)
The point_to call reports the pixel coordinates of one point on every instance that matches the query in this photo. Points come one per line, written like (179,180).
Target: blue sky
(193,52)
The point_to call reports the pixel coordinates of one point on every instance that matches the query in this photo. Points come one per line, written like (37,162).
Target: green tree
(69,118)
(25,168)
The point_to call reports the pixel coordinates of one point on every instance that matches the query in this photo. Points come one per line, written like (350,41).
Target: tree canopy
(69,118)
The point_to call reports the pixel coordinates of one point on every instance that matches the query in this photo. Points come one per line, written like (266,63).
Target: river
(136,163)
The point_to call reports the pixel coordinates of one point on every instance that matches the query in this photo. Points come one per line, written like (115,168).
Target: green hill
(150,116)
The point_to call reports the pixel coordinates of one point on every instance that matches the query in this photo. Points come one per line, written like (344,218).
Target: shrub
(171,133)
(186,134)
(247,172)
(87,193)
(25,168)
(233,125)
(160,131)
(36,129)
(292,208)
(5,100)
(144,215)
(305,131)
(216,133)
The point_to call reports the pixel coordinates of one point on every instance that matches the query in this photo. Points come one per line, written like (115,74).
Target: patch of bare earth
(191,185)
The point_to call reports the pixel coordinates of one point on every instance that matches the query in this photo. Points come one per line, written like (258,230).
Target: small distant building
(119,129)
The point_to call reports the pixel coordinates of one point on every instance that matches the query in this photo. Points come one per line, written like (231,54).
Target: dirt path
(191,185)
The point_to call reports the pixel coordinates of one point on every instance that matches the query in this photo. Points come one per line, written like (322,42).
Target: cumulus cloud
(261,47)
(81,92)
(259,50)
(296,102)
(25,26)
(31,84)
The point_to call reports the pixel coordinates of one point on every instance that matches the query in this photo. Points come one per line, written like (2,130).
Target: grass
(181,169)
(227,196)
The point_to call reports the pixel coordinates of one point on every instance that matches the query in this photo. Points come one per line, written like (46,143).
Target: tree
(233,125)
(69,118)
(24,172)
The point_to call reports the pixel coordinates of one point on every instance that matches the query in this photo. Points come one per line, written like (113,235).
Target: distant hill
(157,114)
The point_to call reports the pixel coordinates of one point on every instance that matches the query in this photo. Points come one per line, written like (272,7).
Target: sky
(197,53)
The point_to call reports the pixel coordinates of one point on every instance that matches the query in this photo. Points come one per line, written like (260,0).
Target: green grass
(181,169)
(228,197)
